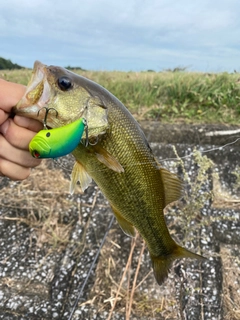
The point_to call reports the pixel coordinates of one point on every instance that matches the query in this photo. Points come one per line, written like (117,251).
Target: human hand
(15,134)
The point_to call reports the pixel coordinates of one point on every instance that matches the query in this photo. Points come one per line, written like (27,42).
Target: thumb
(10,94)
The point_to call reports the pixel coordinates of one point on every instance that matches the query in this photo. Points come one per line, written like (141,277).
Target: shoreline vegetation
(176,96)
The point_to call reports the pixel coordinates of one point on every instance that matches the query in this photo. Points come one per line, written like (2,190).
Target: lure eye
(48,134)
(64,83)
(35,154)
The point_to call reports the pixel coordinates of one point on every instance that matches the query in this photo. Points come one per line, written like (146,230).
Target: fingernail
(4,127)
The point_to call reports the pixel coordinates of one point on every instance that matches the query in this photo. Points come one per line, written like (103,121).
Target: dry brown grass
(122,288)
(231,281)
(222,197)
(44,198)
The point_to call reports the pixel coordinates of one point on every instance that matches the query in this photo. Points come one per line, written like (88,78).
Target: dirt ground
(49,240)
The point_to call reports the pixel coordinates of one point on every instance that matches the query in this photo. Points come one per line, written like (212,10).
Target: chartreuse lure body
(57,142)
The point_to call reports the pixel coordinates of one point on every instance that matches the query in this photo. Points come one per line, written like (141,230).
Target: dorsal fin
(79,174)
(172,186)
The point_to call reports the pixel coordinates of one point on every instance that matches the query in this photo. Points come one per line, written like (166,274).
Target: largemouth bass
(118,157)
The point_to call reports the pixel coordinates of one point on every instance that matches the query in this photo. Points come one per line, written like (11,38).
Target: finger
(10,94)
(13,170)
(15,155)
(27,123)
(3,116)
(18,137)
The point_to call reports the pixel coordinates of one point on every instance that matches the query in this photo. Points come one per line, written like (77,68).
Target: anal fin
(126,226)
(79,174)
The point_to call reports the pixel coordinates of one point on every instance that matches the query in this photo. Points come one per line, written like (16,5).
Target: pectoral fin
(126,226)
(79,174)
(106,158)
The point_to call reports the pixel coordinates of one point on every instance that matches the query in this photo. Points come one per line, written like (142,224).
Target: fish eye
(64,83)
(48,134)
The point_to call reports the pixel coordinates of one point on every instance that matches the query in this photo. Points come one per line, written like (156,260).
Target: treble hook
(46,114)
(87,142)
(93,144)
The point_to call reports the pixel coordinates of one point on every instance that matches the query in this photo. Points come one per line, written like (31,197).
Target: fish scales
(139,188)
(118,157)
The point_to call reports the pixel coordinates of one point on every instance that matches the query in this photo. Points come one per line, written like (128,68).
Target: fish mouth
(37,94)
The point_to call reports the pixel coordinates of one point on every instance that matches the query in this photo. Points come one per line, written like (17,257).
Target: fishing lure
(57,142)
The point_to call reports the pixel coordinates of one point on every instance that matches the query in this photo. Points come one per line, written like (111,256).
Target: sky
(126,35)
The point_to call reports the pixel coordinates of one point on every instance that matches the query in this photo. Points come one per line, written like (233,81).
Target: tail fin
(162,264)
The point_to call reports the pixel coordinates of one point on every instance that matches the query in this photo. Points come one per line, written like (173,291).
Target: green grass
(167,96)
